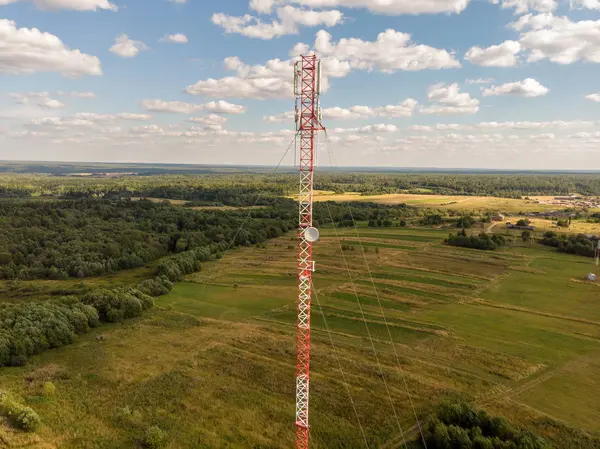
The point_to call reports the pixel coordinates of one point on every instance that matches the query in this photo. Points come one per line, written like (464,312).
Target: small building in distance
(509,225)
(498,217)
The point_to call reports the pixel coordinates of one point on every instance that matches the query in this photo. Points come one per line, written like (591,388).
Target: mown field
(457,202)
(515,331)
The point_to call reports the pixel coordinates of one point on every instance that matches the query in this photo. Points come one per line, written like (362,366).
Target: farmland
(515,331)
(465,203)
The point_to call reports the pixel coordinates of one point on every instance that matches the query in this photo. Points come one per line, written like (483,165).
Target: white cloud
(133,116)
(41,99)
(558,39)
(503,55)
(176,38)
(480,81)
(585,4)
(224,107)
(593,97)
(157,105)
(391,51)
(127,48)
(377,6)
(536,125)
(368,129)
(404,109)
(51,104)
(178,1)
(287,116)
(76,94)
(28,50)
(272,80)
(220,107)
(524,6)
(448,100)
(212,119)
(77,5)
(289,18)
(485,126)
(93,117)
(527,88)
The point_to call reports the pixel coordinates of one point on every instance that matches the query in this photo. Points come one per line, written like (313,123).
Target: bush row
(580,244)
(482,241)
(30,328)
(460,426)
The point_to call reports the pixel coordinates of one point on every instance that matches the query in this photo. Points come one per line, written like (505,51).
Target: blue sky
(404,98)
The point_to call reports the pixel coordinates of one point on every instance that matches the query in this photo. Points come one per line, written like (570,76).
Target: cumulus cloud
(77,5)
(503,55)
(289,19)
(524,6)
(157,105)
(368,129)
(224,107)
(41,99)
(378,6)
(585,4)
(391,51)
(559,39)
(176,38)
(527,88)
(133,116)
(272,80)
(29,50)
(404,109)
(593,97)
(448,100)
(182,107)
(127,48)
(212,119)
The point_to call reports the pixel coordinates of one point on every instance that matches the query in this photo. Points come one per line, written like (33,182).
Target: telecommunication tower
(307,90)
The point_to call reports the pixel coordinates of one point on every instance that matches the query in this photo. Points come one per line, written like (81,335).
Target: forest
(240,189)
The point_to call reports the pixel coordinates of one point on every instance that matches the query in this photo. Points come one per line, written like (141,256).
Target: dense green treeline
(248,189)
(80,238)
(462,427)
(482,241)
(571,244)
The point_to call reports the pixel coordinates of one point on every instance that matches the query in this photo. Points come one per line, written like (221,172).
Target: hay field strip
(443,201)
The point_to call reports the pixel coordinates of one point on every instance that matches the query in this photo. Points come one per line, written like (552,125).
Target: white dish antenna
(311,234)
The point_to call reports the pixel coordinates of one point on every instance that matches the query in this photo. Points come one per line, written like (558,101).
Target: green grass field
(516,331)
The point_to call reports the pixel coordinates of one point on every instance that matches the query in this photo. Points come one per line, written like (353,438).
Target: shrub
(19,415)
(154,438)
(49,389)
(460,426)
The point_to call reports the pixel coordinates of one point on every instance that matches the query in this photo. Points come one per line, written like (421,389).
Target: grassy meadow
(516,331)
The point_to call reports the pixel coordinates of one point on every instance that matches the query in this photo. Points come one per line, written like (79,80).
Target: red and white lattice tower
(307,87)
